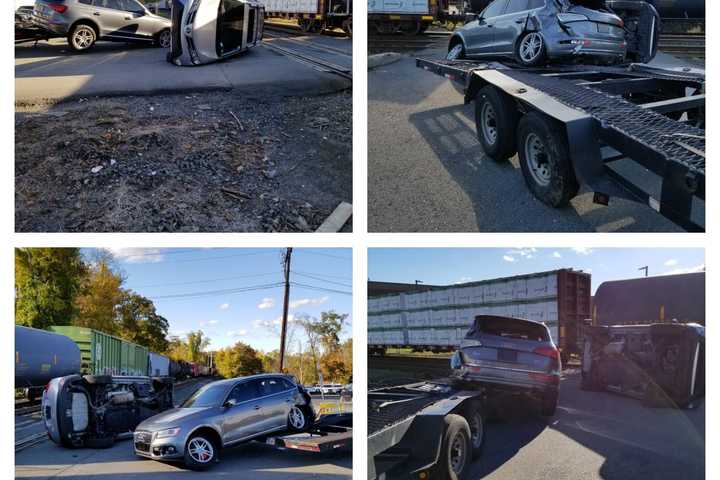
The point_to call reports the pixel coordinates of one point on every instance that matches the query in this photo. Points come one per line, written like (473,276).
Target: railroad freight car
(405,16)
(438,318)
(103,354)
(158,365)
(41,356)
(312,15)
(661,299)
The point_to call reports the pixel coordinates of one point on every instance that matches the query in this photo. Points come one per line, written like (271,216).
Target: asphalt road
(427,172)
(255,460)
(51,72)
(595,436)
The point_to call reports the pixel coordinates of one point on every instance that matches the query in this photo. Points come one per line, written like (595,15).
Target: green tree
(177,349)
(140,322)
(196,343)
(238,360)
(102,293)
(47,281)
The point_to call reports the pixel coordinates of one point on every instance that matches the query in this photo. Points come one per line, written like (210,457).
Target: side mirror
(231,402)
(471,17)
(456,361)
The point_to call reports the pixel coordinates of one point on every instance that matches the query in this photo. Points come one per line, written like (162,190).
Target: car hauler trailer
(331,433)
(423,430)
(312,15)
(633,132)
(438,318)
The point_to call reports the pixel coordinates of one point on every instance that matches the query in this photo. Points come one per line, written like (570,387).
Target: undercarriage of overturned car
(92,411)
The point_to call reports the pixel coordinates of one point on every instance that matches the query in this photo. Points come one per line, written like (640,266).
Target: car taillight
(550,352)
(58,7)
(545,378)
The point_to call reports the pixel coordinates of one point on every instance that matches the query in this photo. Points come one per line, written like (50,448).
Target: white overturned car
(205,31)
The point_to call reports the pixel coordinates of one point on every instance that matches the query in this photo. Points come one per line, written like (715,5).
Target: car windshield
(211,395)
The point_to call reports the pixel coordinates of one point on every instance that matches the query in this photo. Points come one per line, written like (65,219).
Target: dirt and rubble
(211,162)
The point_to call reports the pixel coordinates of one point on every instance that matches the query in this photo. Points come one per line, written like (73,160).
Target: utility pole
(646,270)
(286,261)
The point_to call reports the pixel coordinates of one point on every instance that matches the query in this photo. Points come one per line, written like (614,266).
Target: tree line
(60,286)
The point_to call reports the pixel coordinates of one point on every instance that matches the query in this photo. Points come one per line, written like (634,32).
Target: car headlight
(170,432)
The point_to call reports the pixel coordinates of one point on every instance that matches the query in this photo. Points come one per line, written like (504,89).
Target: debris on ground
(210,162)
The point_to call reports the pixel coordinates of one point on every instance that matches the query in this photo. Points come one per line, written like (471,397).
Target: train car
(41,356)
(312,15)
(438,319)
(409,17)
(158,365)
(103,354)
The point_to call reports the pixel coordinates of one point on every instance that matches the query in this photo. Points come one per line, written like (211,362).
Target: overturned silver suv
(93,410)
(205,31)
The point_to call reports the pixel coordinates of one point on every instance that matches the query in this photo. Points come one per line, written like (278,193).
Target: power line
(321,289)
(322,279)
(224,256)
(325,255)
(341,277)
(210,280)
(225,291)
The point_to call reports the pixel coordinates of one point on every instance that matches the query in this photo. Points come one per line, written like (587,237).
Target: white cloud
(137,255)
(463,280)
(508,258)
(224,306)
(270,323)
(671,263)
(678,271)
(266,303)
(209,322)
(582,250)
(308,301)
(237,333)
(556,255)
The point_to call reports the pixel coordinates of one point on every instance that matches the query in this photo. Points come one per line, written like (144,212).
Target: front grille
(143,437)
(142,447)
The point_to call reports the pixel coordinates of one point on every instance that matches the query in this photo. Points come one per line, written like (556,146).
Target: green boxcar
(103,354)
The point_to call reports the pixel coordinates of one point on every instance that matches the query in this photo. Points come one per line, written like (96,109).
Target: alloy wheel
(297,418)
(83,38)
(201,450)
(531,47)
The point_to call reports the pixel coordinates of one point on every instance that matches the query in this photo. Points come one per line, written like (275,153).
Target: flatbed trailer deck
(332,433)
(634,132)
(423,430)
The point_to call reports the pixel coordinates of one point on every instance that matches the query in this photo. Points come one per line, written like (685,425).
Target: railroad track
(311,54)
(687,46)
(29,441)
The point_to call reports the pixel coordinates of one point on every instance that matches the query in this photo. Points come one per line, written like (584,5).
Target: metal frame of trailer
(409,429)
(332,433)
(616,120)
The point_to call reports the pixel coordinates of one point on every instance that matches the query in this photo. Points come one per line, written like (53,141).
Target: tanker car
(41,356)
(438,318)
(312,15)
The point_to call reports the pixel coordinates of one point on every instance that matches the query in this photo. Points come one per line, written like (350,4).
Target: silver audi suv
(222,414)
(84,22)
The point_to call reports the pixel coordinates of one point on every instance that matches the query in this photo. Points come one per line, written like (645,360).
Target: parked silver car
(222,414)
(534,31)
(510,357)
(84,22)
(206,31)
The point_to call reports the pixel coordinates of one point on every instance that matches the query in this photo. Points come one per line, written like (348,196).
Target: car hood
(173,418)
(595,15)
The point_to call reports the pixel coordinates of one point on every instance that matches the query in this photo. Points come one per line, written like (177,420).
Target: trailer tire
(455,450)
(545,160)
(476,422)
(496,120)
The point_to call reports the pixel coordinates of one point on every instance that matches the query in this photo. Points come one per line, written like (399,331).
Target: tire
(201,452)
(298,419)
(456,51)
(455,444)
(82,37)
(476,422)
(545,161)
(530,50)
(496,121)
(549,404)
(163,39)
(98,379)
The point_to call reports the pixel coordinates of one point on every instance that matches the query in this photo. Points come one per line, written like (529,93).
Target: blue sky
(228,317)
(444,266)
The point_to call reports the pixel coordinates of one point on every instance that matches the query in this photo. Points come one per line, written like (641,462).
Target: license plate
(602,28)
(507,355)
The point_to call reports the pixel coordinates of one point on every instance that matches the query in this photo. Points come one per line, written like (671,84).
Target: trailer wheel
(496,120)
(476,422)
(545,160)
(455,451)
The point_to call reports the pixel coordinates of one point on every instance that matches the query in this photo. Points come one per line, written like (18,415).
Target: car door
(110,17)
(141,24)
(480,35)
(509,26)
(276,403)
(244,419)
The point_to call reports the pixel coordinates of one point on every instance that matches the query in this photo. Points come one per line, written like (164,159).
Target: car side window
(286,384)
(270,386)
(132,6)
(516,6)
(86,2)
(494,9)
(242,392)
(111,4)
